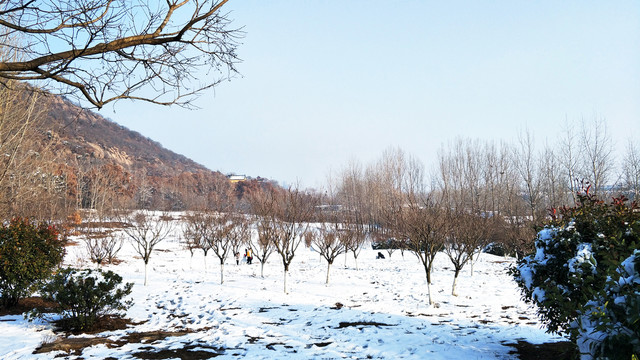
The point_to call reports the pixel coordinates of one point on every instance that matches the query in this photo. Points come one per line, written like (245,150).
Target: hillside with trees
(85,135)
(60,158)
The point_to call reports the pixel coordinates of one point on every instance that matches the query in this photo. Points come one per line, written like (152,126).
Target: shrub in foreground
(85,296)
(29,253)
(610,325)
(578,276)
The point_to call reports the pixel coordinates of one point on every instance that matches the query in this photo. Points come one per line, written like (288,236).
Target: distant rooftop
(236,178)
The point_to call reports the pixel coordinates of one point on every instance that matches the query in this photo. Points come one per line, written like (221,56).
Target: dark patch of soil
(564,350)
(345,324)
(76,345)
(338,306)
(72,346)
(271,346)
(28,304)
(253,339)
(186,353)
(151,336)
(410,314)
(231,308)
(265,309)
(322,344)
(105,323)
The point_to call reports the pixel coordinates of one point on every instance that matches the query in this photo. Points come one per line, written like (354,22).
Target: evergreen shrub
(85,296)
(583,276)
(29,253)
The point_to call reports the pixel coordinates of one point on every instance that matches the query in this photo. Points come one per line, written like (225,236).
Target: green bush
(85,296)
(577,255)
(610,326)
(29,253)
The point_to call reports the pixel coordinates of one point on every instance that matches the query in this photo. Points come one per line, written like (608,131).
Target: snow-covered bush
(84,296)
(609,327)
(574,268)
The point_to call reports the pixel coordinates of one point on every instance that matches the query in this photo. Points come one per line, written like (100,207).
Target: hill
(59,158)
(102,164)
(81,134)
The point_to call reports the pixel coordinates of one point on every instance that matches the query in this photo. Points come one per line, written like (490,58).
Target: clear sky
(325,82)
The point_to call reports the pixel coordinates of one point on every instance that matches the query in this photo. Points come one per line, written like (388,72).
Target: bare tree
(195,232)
(597,153)
(218,235)
(425,225)
(390,175)
(353,237)
(29,178)
(106,50)
(553,182)
(528,165)
(329,240)
(263,245)
(145,231)
(101,241)
(468,236)
(631,171)
(356,201)
(569,157)
(294,210)
(264,206)
(415,217)
(240,233)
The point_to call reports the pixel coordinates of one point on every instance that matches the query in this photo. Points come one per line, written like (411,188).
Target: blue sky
(326,82)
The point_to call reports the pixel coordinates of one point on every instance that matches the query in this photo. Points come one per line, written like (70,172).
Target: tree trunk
(471,268)
(328,268)
(262,269)
(473,260)
(221,272)
(455,281)
(285,282)
(429,291)
(145,273)
(205,263)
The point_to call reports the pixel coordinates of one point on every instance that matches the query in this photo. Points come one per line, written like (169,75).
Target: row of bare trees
(479,193)
(280,221)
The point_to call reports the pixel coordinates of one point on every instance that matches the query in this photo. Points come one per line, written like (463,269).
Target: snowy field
(379,311)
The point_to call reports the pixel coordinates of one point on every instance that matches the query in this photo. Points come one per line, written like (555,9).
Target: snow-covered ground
(379,311)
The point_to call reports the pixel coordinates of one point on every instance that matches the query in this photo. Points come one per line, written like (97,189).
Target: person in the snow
(380,255)
(249,256)
(237,256)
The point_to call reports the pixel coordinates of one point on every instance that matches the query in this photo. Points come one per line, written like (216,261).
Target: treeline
(502,190)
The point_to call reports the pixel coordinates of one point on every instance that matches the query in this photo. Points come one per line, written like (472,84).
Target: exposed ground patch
(345,324)
(189,352)
(564,350)
(76,345)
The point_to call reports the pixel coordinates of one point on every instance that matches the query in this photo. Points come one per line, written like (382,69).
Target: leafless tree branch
(107,50)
